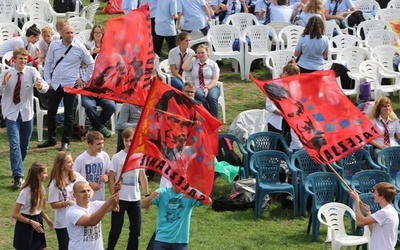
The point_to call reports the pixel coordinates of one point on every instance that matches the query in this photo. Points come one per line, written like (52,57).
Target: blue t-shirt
(173,216)
(312,50)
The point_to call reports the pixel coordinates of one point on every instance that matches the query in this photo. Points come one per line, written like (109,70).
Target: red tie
(180,67)
(386,137)
(17,90)
(201,76)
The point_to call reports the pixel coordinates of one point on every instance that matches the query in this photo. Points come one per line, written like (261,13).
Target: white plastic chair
(260,44)
(339,42)
(352,58)
(7,56)
(332,215)
(8,11)
(278,26)
(330,27)
(221,39)
(366,5)
(40,113)
(81,113)
(388,14)
(80,23)
(196,37)
(394,4)
(39,23)
(87,12)
(381,37)
(367,16)
(289,36)
(384,54)
(371,25)
(242,20)
(277,60)
(84,35)
(9,30)
(38,9)
(375,72)
(164,71)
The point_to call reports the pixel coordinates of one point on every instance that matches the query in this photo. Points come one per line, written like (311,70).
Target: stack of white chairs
(260,44)
(221,39)
(374,72)
(289,36)
(352,57)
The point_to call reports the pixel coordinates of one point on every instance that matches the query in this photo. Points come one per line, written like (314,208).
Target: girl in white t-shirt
(63,178)
(29,211)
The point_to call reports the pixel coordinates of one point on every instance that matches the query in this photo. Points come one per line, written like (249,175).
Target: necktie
(180,67)
(335,8)
(268,13)
(233,10)
(386,138)
(201,76)
(17,90)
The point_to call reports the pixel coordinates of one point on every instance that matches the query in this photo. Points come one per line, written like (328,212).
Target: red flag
(178,138)
(124,65)
(327,123)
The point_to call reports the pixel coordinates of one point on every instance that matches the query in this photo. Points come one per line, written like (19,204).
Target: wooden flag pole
(339,177)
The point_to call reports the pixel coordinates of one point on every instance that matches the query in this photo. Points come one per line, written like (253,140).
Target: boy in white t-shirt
(94,164)
(129,195)
(383,223)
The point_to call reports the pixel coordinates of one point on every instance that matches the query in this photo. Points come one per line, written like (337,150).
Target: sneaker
(106,132)
(18,181)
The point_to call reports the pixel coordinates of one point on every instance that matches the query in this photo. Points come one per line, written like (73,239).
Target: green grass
(276,229)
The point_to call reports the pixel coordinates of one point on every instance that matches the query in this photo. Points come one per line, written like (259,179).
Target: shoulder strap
(61,58)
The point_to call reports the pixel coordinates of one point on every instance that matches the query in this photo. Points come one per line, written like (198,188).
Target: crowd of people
(77,188)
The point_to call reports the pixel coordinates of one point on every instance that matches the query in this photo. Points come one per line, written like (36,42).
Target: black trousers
(54,100)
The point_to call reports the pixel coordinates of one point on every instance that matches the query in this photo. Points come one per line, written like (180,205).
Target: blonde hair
(376,109)
(57,173)
(47,30)
(314,6)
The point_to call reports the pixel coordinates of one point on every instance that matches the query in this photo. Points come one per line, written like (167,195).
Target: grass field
(276,229)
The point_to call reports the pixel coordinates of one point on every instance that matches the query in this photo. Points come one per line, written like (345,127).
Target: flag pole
(339,177)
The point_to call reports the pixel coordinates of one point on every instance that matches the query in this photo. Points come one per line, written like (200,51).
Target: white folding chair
(40,113)
(260,44)
(277,60)
(221,39)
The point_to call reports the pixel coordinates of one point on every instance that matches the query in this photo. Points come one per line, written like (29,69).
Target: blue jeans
(158,245)
(117,221)
(90,104)
(19,134)
(176,83)
(211,101)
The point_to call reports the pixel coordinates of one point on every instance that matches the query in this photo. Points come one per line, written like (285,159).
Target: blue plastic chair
(364,181)
(323,188)
(266,168)
(305,166)
(351,164)
(244,169)
(389,160)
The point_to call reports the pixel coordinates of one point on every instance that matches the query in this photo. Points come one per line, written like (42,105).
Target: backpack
(237,201)
(354,20)
(227,154)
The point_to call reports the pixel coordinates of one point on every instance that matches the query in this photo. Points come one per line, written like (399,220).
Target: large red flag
(124,65)
(327,123)
(178,138)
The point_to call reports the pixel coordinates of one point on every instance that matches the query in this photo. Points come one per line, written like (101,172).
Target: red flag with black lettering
(327,123)
(124,65)
(178,138)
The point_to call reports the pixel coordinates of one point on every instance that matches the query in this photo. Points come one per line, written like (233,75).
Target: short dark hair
(189,84)
(128,132)
(387,190)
